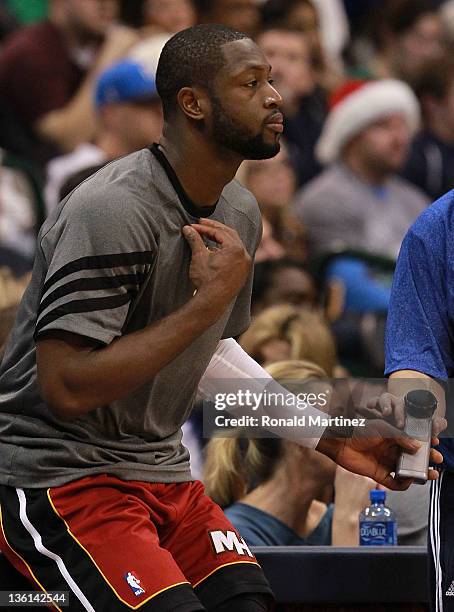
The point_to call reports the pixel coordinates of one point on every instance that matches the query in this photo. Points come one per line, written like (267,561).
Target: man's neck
(368,174)
(201,171)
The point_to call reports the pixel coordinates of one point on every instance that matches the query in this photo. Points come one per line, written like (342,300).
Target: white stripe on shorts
(435,544)
(47,553)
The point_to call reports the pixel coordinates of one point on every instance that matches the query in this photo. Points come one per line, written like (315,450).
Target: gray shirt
(111,259)
(339,211)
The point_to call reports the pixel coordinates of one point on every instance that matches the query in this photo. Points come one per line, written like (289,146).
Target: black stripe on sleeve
(100,261)
(93,284)
(78,306)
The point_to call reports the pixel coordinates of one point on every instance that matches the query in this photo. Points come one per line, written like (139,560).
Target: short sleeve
(419,330)
(99,253)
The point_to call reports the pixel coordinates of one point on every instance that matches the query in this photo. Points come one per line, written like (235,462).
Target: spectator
(11,291)
(304,105)
(169,16)
(11,287)
(358,202)
(148,50)
(278,494)
(129,118)
(47,70)
(306,17)
(410,35)
(430,165)
(282,281)
(273,183)
(269,248)
(284,332)
(334,30)
(21,207)
(242,15)
(7,317)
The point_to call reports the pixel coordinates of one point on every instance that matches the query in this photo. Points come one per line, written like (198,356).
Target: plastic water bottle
(377,522)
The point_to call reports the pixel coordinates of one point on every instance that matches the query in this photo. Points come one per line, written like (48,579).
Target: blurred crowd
(368,143)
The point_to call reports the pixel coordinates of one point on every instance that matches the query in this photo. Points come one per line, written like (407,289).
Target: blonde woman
(277,493)
(287,332)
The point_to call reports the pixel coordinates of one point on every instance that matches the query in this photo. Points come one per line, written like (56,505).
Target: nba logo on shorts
(134,583)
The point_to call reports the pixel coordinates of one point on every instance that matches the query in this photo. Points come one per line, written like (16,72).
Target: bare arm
(75,377)
(76,122)
(402,381)
(351,496)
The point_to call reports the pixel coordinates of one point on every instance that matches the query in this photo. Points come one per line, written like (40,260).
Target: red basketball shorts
(118,545)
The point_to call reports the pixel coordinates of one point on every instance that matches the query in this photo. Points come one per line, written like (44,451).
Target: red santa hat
(357,104)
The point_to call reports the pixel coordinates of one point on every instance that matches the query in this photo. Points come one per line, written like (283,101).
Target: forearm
(88,378)
(345,527)
(232,372)
(403,381)
(74,123)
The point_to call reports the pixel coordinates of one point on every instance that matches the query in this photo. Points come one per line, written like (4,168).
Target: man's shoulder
(119,188)
(131,172)
(434,224)
(242,201)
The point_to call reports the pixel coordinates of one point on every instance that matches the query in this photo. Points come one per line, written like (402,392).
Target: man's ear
(193,102)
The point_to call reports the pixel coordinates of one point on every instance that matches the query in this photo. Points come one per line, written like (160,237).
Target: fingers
(217,225)
(216,231)
(396,484)
(213,233)
(194,240)
(438,425)
(435,456)
(388,406)
(386,430)
(398,409)
(433,475)
(408,444)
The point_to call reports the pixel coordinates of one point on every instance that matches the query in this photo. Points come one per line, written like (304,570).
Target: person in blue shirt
(420,353)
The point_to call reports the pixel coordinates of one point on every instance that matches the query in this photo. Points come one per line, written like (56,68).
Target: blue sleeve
(362,292)
(418,334)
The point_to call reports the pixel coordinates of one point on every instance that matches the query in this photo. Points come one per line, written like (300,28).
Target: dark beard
(228,134)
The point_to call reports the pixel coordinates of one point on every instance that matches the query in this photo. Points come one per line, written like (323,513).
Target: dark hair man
(430,165)
(128,316)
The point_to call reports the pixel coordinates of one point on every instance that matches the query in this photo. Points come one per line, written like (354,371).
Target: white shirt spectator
(64,166)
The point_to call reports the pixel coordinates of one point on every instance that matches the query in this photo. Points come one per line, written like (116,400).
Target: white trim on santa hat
(361,108)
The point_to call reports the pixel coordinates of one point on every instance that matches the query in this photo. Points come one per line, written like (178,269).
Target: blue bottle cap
(377,496)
